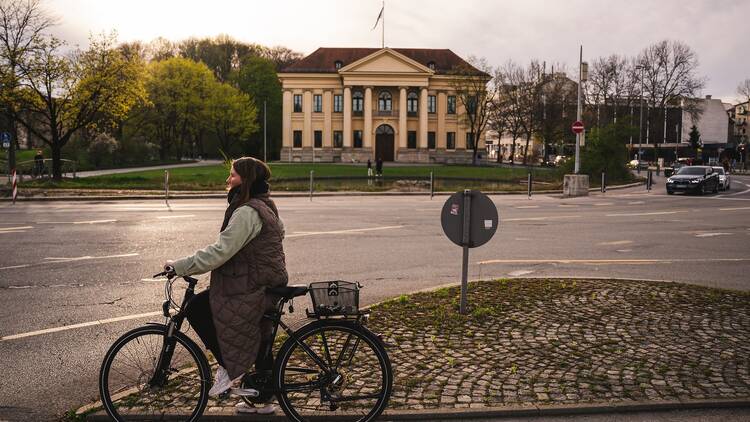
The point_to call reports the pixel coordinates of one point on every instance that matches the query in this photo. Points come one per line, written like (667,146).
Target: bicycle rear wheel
(341,370)
(128,386)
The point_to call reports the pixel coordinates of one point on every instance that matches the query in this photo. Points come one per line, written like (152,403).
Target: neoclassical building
(351,104)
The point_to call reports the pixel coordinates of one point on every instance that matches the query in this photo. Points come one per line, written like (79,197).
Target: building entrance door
(384,143)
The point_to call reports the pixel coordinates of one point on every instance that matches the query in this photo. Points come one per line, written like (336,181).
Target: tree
(606,151)
(221,54)
(743,89)
(178,90)
(694,137)
(508,102)
(470,85)
(22,25)
(257,78)
(231,115)
(64,94)
(281,56)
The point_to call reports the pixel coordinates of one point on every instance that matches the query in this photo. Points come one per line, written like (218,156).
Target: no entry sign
(577,126)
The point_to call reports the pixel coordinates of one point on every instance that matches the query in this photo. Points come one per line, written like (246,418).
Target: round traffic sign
(483,218)
(577,126)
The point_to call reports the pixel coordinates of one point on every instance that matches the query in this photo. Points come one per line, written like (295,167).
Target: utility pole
(640,120)
(578,114)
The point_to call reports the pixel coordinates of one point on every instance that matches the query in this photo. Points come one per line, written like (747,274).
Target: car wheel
(716,188)
(670,192)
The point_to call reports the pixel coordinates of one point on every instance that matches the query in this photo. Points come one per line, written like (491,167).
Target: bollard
(528,187)
(166,187)
(604,183)
(311,183)
(432,185)
(648,181)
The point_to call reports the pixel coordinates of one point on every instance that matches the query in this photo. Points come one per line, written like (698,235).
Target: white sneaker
(249,392)
(243,407)
(222,382)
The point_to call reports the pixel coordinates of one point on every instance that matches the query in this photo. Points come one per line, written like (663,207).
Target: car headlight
(695,181)
(670,180)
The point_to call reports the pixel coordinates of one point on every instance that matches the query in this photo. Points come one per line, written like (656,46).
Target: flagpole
(383,29)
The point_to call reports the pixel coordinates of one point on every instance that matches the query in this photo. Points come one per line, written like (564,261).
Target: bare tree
(609,81)
(22,24)
(508,81)
(470,84)
(743,89)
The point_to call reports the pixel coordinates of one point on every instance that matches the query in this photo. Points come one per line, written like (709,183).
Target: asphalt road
(68,268)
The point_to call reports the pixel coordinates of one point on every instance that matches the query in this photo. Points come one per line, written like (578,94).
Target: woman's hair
(253,172)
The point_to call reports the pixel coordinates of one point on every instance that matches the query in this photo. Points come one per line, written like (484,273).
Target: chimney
(708,97)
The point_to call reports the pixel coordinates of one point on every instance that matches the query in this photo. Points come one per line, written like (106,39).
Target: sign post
(469,219)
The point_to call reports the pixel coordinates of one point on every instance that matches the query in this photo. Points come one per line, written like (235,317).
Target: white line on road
(734,209)
(163,217)
(77,222)
(568,206)
(713,234)
(541,218)
(83,258)
(11,229)
(636,214)
(14,266)
(636,203)
(81,325)
(601,204)
(300,234)
(522,207)
(607,261)
(617,242)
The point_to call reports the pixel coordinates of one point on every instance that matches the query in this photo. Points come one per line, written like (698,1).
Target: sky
(551,31)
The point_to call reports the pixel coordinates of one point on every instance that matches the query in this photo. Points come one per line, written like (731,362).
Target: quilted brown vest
(237,293)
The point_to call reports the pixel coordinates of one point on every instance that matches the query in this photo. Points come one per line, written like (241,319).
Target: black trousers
(200,318)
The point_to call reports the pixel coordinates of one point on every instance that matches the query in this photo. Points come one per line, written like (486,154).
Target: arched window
(338,64)
(384,130)
(412,99)
(384,101)
(358,101)
(431,65)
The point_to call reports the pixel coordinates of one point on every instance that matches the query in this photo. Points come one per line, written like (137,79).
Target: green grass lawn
(213,177)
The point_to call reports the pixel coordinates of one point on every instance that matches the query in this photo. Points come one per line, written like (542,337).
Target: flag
(380,15)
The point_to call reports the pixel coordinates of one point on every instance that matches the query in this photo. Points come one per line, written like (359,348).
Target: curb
(492,412)
(280,194)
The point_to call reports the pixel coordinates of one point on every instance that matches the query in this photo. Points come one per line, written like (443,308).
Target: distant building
(397,104)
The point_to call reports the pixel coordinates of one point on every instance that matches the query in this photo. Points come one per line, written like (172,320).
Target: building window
(297,139)
(469,140)
(357,102)
(298,103)
(450,140)
(451,104)
(337,64)
(338,139)
(431,104)
(412,99)
(384,101)
(357,139)
(317,103)
(411,139)
(338,103)
(431,140)
(431,65)
(318,136)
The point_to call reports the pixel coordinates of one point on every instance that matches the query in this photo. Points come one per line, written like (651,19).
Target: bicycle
(332,367)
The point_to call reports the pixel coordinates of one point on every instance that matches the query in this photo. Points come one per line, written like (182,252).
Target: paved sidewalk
(561,346)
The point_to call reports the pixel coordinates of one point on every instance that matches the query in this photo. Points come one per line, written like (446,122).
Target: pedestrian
(369,168)
(38,163)
(379,167)
(247,258)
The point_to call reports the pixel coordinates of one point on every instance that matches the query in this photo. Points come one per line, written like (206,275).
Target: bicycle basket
(335,298)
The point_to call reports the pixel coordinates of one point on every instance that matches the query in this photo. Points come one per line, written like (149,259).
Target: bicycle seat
(289,292)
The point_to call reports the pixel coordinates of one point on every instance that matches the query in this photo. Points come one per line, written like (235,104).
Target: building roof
(323,60)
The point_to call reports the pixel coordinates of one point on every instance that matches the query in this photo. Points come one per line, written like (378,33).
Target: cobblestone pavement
(546,342)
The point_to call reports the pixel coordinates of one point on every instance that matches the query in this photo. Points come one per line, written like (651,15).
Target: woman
(247,258)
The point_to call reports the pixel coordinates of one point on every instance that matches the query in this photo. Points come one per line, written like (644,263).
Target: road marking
(77,222)
(164,217)
(636,214)
(607,261)
(14,266)
(568,206)
(84,258)
(713,234)
(542,218)
(519,273)
(636,203)
(624,250)
(601,204)
(12,229)
(81,325)
(527,207)
(300,234)
(736,193)
(734,209)
(617,242)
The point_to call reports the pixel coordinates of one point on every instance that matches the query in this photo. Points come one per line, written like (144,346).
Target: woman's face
(234,179)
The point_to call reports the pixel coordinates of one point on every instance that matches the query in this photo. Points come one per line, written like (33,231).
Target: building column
(307,135)
(347,117)
(286,111)
(442,109)
(327,107)
(367,135)
(423,118)
(402,128)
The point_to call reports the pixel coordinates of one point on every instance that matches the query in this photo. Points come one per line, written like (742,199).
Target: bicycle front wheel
(132,388)
(335,370)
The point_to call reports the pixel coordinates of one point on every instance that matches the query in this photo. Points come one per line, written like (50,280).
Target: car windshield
(719,170)
(692,171)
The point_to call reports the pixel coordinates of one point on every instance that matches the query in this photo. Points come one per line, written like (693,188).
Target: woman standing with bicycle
(247,258)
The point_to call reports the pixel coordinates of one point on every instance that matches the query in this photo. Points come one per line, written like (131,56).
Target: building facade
(355,104)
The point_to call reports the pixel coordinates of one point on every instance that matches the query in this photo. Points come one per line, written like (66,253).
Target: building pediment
(386,61)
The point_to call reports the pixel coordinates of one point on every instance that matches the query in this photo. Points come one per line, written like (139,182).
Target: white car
(723,177)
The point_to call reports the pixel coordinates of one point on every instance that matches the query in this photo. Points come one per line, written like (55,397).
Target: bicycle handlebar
(168,272)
